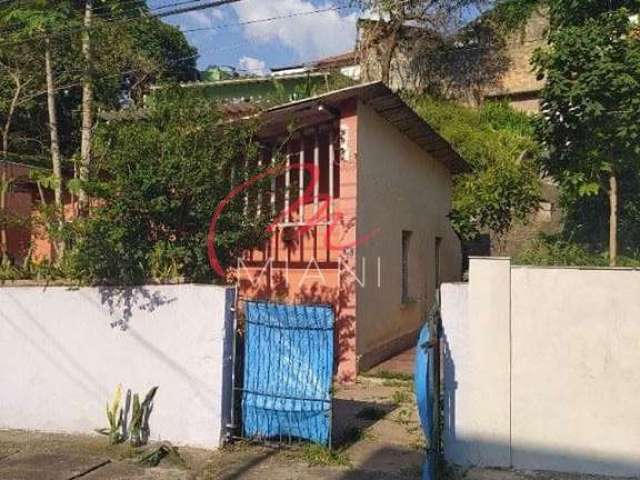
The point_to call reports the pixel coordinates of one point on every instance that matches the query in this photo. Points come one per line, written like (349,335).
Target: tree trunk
(4,180)
(55,142)
(4,244)
(613,219)
(87,107)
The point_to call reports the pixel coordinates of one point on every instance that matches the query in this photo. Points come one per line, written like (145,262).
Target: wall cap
(576,267)
(472,257)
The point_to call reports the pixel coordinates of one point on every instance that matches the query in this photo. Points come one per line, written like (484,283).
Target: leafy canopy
(591,100)
(498,142)
(160,180)
(591,111)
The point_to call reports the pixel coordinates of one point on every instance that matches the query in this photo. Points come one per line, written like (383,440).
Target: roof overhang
(383,101)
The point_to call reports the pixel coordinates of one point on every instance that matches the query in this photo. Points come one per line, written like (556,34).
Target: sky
(254,35)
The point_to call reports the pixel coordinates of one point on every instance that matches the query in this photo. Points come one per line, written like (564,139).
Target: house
(518,83)
(346,64)
(498,69)
(257,88)
(281,84)
(370,233)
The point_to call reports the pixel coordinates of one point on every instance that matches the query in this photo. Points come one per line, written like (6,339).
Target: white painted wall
(65,350)
(563,395)
(576,370)
(400,187)
(477,367)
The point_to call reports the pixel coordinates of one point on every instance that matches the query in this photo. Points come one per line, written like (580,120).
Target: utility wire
(178,11)
(266,20)
(133,6)
(121,19)
(125,72)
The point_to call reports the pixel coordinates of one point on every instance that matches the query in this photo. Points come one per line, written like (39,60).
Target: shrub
(159,180)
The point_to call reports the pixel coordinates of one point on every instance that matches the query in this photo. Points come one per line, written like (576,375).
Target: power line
(269,19)
(122,19)
(134,6)
(217,3)
(125,72)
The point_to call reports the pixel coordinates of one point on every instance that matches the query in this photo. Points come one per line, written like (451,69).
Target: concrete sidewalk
(51,456)
(376,435)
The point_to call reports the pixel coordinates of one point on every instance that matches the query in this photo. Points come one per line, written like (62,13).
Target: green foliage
(499,145)
(315,455)
(114,417)
(593,85)
(388,375)
(510,15)
(577,12)
(160,181)
(137,430)
(591,112)
(401,396)
(157,454)
(554,250)
(137,48)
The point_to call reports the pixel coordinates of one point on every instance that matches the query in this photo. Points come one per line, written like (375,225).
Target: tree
(591,101)
(499,143)
(39,19)
(161,176)
(142,47)
(127,46)
(87,105)
(408,22)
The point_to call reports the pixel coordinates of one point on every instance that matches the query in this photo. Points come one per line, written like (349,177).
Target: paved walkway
(376,435)
(400,365)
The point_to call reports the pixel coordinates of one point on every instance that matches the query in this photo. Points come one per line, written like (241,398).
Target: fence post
(435,326)
(232,426)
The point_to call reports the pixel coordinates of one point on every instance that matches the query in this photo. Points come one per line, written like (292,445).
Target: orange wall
(22,203)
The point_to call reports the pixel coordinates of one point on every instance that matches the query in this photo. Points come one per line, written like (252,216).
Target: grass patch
(371,413)
(315,454)
(387,375)
(401,396)
(395,383)
(403,417)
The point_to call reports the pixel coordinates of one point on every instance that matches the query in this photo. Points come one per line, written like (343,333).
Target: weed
(371,413)
(395,383)
(402,417)
(401,396)
(153,456)
(387,375)
(315,454)
(419,445)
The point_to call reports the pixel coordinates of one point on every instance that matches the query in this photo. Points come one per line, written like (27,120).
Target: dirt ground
(376,436)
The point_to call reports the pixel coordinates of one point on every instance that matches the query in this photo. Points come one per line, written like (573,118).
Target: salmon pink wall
(27,235)
(316,265)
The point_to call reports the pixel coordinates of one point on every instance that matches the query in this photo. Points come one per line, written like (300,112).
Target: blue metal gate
(426,383)
(288,372)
